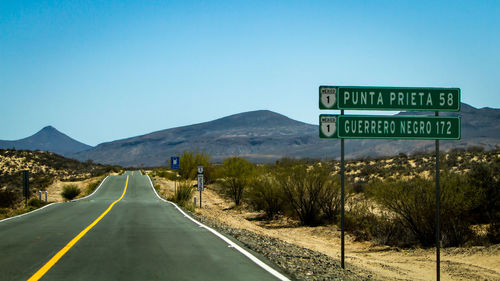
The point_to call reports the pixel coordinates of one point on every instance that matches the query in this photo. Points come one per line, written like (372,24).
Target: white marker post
(200,180)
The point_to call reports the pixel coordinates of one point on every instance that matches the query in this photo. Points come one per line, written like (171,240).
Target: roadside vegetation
(91,187)
(70,191)
(183,194)
(389,201)
(45,168)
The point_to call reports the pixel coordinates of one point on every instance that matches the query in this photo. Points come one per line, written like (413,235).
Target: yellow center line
(71,243)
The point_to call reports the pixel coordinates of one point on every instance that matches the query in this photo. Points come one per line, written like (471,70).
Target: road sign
(389,127)
(174,163)
(200,182)
(389,98)
(200,169)
(328,126)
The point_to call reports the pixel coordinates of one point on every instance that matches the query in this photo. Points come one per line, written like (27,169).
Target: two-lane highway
(122,232)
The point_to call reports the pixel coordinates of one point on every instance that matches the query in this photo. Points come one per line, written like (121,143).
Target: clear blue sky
(104,70)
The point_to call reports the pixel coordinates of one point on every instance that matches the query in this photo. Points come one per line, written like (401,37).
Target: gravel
(297,262)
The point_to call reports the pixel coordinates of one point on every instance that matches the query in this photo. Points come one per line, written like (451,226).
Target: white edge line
(92,192)
(225,239)
(21,215)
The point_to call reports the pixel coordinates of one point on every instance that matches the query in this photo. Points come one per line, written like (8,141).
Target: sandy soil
(55,189)
(377,262)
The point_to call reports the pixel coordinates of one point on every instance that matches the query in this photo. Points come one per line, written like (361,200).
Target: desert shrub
(359,219)
(216,172)
(183,194)
(475,149)
(358,187)
(379,227)
(368,170)
(265,194)
(91,187)
(330,200)
(303,188)
(237,176)
(36,203)
(70,191)
(482,177)
(494,232)
(414,203)
(9,197)
(189,162)
(164,173)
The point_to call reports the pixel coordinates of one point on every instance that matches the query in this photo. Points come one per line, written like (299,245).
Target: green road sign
(389,98)
(389,127)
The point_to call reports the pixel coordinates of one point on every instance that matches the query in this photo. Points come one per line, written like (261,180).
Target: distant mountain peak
(49,128)
(257,118)
(47,139)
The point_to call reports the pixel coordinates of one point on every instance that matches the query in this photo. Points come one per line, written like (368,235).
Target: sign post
(200,180)
(389,127)
(175,165)
(26,192)
(438,213)
(342,201)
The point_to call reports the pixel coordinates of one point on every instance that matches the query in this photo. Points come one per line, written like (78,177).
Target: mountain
(265,136)
(259,136)
(47,139)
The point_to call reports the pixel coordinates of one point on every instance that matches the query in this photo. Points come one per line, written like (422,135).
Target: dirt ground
(55,189)
(376,262)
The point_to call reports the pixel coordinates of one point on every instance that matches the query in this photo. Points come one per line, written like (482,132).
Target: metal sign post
(389,127)
(26,176)
(438,226)
(342,201)
(175,165)
(200,180)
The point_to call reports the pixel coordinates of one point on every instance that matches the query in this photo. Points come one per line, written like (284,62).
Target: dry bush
(304,187)
(265,194)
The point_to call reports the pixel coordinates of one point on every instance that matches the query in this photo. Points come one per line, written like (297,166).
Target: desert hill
(47,139)
(265,136)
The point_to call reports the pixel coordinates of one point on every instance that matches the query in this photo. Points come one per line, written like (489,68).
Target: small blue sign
(174,163)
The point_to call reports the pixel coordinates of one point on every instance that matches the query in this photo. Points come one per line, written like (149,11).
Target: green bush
(379,227)
(414,203)
(482,177)
(36,203)
(91,187)
(9,197)
(237,175)
(494,232)
(330,200)
(189,162)
(70,191)
(265,194)
(304,187)
(183,194)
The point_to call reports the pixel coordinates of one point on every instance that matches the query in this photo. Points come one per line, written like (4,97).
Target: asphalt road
(139,238)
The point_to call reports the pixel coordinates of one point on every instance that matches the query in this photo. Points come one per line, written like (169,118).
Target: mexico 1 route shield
(328,126)
(328,97)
